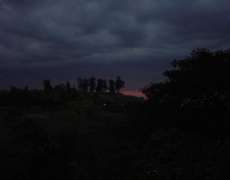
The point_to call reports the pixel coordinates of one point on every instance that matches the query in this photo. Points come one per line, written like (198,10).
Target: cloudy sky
(137,39)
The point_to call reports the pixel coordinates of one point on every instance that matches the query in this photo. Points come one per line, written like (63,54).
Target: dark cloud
(122,36)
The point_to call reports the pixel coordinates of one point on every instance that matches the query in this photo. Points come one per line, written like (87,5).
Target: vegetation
(93,132)
(189,115)
(196,91)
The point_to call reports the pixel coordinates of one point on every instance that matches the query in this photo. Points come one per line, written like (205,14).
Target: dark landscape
(181,131)
(114,90)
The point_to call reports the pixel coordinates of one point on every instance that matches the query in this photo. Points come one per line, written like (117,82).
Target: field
(102,137)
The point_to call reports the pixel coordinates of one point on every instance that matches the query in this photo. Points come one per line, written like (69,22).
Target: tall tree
(80,84)
(202,73)
(47,85)
(196,88)
(119,84)
(68,86)
(104,85)
(92,84)
(83,85)
(111,86)
(101,85)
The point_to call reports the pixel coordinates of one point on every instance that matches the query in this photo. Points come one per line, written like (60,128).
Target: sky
(137,39)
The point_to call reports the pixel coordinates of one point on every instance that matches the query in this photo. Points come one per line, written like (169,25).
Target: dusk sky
(137,39)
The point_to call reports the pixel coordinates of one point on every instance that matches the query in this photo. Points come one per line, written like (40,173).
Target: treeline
(91,85)
(195,92)
(83,85)
(51,95)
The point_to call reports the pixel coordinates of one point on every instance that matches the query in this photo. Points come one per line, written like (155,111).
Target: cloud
(61,32)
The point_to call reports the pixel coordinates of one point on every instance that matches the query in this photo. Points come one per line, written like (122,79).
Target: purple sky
(136,39)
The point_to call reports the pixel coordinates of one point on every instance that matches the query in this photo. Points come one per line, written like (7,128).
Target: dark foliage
(92,84)
(47,85)
(112,86)
(119,84)
(196,92)
(94,132)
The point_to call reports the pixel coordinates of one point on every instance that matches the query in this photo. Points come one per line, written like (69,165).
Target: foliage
(196,90)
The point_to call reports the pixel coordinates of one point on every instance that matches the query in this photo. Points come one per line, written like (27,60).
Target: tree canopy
(203,73)
(197,88)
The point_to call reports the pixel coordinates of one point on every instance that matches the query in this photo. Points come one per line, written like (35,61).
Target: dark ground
(104,137)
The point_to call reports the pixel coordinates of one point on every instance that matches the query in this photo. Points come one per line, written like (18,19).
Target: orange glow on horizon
(136,93)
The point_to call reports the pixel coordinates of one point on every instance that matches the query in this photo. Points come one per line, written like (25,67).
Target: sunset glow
(129,92)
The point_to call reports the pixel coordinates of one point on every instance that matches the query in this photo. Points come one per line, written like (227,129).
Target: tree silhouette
(111,86)
(47,85)
(83,85)
(197,87)
(26,88)
(104,85)
(68,86)
(202,73)
(80,84)
(92,84)
(101,86)
(119,84)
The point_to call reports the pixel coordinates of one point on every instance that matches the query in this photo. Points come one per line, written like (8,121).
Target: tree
(92,84)
(202,73)
(68,86)
(101,86)
(119,84)
(47,85)
(80,84)
(196,88)
(111,86)
(83,85)
(104,85)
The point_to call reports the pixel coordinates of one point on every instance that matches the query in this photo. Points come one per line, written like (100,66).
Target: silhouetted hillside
(93,132)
